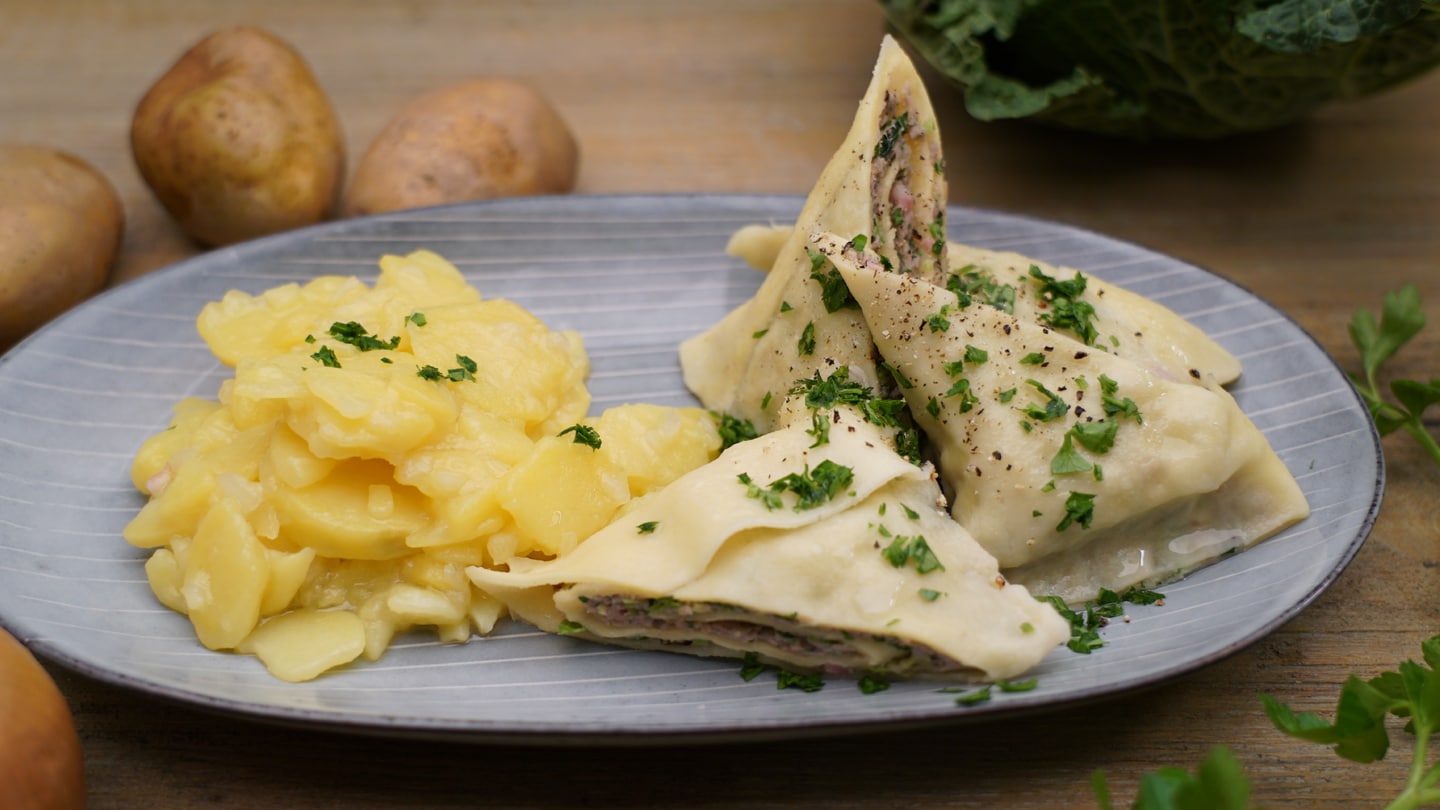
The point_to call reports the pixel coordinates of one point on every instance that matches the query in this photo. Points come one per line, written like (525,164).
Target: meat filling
(782,639)
(908,190)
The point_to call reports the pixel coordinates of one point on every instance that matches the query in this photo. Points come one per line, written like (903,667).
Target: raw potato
(60,230)
(473,141)
(238,140)
(41,762)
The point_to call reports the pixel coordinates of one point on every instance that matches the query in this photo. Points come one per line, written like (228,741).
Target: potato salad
(373,443)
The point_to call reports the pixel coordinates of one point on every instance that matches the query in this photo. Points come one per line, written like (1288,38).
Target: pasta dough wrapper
(885,184)
(1188,478)
(721,574)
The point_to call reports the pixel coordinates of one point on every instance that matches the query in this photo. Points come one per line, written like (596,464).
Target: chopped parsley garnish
(938,322)
(812,488)
(465,371)
(953,368)
(1007,395)
(961,389)
(897,217)
(785,306)
(896,375)
(750,667)
(648,527)
(1033,359)
(819,428)
(569,628)
(932,407)
(1085,624)
(326,357)
(417,318)
(1097,437)
(910,513)
(975,356)
(930,594)
(1054,406)
(824,393)
(1114,405)
(759,334)
(583,434)
(974,697)
(870,684)
(971,283)
(358,336)
(1079,508)
(858,242)
(1068,460)
(1067,311)
(915,550)
(1026,685)
(733,429)
(806,344)
(808,682)
(833,291)
(907,444)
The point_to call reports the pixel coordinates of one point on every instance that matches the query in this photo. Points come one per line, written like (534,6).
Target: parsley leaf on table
(1358,732)
(1218,783)
(1401,319)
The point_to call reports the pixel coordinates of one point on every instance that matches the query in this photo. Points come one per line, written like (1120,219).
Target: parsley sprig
(1401,319)
(1218,783)
(1358,732)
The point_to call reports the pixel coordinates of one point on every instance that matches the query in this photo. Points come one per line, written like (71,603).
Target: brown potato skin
(476,140)
(238,139)
(42,766)
(61,224)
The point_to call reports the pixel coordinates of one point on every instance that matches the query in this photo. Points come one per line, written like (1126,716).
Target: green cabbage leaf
(1168,68)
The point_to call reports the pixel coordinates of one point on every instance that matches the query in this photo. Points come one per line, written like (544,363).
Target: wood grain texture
(753,96)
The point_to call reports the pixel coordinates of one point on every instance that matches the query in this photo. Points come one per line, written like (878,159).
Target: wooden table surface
(753,96)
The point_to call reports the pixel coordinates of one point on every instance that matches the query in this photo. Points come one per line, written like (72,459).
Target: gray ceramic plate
(635,275)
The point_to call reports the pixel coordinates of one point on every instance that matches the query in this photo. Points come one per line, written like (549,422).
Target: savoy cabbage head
(1168,68)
